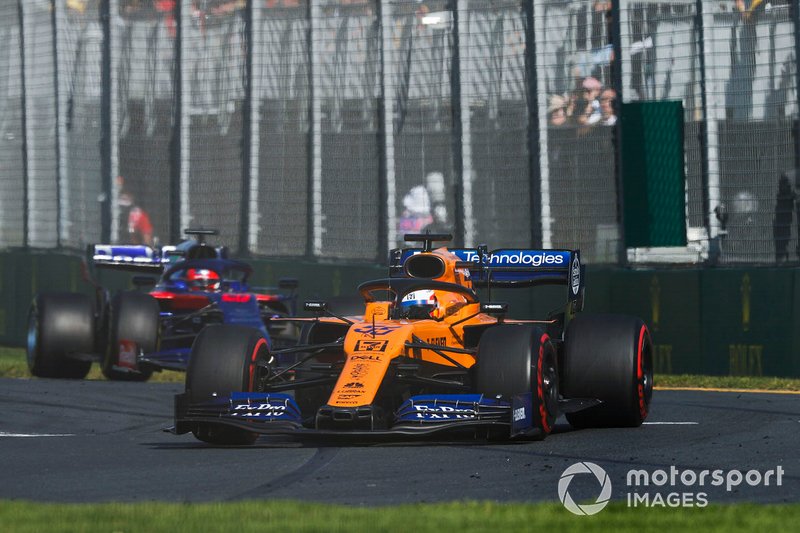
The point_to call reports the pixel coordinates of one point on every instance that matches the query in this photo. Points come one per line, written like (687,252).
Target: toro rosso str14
(134,333)
(427,356)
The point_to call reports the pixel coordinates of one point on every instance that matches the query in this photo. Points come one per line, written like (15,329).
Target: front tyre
(610,358)
(518,359)
(223,360)
(60,325)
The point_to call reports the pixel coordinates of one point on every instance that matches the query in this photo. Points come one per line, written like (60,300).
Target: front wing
(277,413)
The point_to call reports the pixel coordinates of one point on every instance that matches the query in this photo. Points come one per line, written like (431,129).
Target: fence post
(616,80)
(457,133)
(185,122)
(541,235)
(247,132)
(703,140)
(314,238)
(54,10)
(711,113)
(387,232)
(24,126)
(795,12)
(105,124)
(175,150)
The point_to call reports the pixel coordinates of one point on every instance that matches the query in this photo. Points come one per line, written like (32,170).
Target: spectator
(591,91)
(135,225)
(440,223)
(557,110)
(140,229)
(167,8)
(784,212)
(607,99)
(748,8)
(418,204)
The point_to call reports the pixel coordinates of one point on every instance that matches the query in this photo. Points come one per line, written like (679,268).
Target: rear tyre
(517,359)
(133,328)
(608,357)
(60,324)
(223,360)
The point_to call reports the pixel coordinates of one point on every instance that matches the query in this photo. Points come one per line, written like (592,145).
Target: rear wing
(511,267)
(135,258)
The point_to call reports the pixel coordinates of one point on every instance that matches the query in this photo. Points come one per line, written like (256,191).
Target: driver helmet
(419,304)
(202,279)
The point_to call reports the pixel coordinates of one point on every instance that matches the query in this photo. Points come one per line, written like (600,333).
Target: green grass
(728,382)
(243,517)
(13,365)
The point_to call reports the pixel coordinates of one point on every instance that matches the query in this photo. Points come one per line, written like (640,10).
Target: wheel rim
(550,386)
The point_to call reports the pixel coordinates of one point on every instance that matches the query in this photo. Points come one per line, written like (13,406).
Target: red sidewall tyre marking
(252,372)
(640,372)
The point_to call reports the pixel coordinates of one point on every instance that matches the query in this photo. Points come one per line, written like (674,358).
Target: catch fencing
(326,129)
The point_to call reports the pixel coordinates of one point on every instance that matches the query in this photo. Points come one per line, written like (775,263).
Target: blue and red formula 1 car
(133,333)
(426,356)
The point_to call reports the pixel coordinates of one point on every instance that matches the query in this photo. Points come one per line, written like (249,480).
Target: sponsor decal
(438,341)
(442,412)
(258,409)
(127,354)
(347,396)
(354,385)
(519,414)
(373,358)
(524,258)
(359,370)
(378,330)
(371,346)
(575,275)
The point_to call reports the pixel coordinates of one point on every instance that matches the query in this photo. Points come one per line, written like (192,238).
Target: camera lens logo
(602,479)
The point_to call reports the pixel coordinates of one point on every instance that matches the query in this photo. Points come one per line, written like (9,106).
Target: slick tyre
(60,325)
(133,325)
(518,359)
(223,360)
(610,358)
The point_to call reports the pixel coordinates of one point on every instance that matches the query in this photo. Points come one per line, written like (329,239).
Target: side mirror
(316,306)
(494,308)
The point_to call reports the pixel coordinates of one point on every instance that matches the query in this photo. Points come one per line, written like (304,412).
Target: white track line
(671,423)
(3,434)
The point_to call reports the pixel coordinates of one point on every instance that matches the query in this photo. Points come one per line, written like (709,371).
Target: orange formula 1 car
(427,356)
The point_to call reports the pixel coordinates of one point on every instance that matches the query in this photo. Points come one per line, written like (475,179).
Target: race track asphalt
(99,441)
